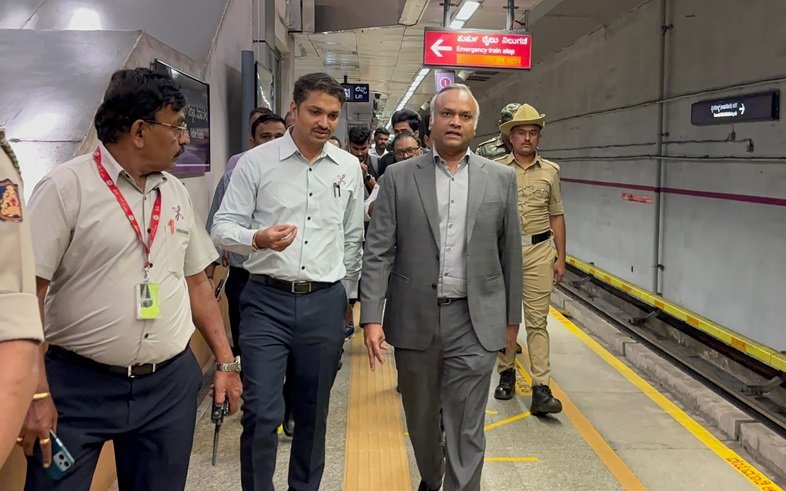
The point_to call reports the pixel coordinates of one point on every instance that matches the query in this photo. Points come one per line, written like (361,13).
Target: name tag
(147,304)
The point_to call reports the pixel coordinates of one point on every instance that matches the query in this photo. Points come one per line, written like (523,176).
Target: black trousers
(238,277)
(150,419)
(298,337)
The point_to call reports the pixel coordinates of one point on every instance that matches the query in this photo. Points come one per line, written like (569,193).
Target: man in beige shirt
(20,322)
(120,258)
(542,218)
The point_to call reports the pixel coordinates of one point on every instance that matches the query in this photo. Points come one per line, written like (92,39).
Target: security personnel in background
(540,207)
(20,320)
(498,146)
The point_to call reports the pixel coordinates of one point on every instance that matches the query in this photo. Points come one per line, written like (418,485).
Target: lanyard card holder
(147,304)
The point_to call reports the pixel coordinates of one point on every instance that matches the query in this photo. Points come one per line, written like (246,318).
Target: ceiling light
(84,19)
(457,24)
(467,10)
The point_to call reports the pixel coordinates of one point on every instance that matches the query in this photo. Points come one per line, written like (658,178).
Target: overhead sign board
(356,92)
(762,106)
(477,49)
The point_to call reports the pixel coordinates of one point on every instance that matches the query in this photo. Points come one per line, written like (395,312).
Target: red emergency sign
(476,49)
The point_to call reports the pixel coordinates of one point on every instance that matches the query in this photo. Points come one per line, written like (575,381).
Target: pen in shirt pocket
(336,190)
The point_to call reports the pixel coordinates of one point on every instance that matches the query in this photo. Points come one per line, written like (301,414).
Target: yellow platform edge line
(511,459)
(764,354)
(506,421)
(747,470)
(613,462)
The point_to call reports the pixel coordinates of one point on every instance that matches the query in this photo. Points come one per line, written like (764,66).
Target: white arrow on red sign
(437,48)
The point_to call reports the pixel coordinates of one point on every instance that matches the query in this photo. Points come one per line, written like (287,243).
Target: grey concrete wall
(722,257)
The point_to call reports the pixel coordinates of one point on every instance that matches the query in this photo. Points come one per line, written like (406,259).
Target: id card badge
(147,306)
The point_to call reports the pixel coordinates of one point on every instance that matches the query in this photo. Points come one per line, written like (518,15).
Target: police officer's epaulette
(549,162)
(502,159)
(486,142)
(6,147)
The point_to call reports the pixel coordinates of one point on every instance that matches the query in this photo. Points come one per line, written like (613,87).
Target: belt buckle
(155,365)
(296,284)
(444,301)
(131,371)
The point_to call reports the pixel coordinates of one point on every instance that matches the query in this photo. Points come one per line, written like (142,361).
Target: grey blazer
(401,260)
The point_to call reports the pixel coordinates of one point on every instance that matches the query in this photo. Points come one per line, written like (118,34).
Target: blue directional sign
(356,92)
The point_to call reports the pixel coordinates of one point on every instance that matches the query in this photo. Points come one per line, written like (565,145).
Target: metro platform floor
(616,432)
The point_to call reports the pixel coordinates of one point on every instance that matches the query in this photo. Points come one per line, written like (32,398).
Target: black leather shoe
(349,330)
(507,385)
(424,487)
(543,402)
(288,425)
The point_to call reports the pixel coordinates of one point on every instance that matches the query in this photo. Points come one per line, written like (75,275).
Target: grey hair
(461,87)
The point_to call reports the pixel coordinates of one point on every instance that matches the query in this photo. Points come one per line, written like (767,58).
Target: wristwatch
(229,367)
(367,177)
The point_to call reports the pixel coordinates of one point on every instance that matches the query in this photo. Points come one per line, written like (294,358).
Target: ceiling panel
(388,58)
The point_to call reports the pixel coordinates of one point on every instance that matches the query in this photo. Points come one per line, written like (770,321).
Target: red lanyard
(154,219)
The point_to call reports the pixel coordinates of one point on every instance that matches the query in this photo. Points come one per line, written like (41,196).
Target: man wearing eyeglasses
(405,146)
(120,257)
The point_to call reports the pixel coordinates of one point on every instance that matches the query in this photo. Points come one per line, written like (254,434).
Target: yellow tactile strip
(376,456)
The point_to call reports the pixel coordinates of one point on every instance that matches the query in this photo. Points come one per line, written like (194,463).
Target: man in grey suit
(444,249)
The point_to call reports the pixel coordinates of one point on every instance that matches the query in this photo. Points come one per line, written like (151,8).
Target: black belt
(536,238)
(448,300)
(129,371)
(296,287)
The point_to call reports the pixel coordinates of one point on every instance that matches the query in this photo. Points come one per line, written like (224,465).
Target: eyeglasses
(180,129)
(407,152)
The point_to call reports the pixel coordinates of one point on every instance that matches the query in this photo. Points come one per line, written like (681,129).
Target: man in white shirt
(120,257)
(295,206)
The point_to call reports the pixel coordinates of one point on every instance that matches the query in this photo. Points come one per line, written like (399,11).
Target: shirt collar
(113,168)
(438,159)
(510,159)
(288,148)
(116,171)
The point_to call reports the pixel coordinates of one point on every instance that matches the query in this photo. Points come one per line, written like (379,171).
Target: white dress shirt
(274,184)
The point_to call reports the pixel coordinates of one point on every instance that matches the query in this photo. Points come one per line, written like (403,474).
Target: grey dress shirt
(452,194)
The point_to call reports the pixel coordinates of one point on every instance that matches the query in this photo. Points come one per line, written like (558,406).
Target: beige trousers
(538,275)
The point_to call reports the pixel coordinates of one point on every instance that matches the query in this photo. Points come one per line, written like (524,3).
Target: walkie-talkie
(217,417)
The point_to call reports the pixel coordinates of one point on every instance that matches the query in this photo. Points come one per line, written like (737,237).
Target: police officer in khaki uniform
(540,207)
(498,146)
(120,257)
(20,320)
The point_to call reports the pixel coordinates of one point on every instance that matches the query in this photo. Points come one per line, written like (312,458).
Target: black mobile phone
(62,460)
(221,284)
